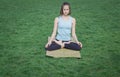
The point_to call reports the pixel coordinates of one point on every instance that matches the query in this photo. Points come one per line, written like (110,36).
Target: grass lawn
(26,24)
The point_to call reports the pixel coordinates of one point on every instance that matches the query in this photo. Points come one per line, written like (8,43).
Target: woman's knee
(76,46)
(53,47)
(73,46)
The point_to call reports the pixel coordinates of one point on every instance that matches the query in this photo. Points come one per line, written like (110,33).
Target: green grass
(26,24)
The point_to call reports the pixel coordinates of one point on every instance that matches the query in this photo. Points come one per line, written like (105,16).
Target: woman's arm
(74,33)
(73,30)
(53,33)
(54,30)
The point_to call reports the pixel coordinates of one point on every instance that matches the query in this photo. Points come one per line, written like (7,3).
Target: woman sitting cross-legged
(64,29)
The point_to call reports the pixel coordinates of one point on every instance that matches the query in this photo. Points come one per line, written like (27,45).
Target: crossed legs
(59,44)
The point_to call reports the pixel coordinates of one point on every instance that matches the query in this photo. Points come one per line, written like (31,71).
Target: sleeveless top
(64,29)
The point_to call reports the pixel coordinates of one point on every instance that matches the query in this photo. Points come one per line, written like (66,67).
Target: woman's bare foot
(59,43)
(67,42)
(63,45)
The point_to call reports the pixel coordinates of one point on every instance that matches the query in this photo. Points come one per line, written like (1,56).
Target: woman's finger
(80,44)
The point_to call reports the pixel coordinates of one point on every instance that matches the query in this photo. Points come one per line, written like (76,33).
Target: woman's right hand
(48,44)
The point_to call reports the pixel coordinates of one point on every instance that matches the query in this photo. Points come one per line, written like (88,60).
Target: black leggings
(71,45)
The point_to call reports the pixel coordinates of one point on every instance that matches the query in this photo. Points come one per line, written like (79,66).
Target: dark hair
(61,10)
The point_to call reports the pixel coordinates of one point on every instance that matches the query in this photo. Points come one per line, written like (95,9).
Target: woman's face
(66,9)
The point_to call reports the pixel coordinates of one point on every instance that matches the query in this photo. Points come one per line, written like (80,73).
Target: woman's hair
(61,10)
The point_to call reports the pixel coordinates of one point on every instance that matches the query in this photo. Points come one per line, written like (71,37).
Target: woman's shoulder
(56,19)
(73,19)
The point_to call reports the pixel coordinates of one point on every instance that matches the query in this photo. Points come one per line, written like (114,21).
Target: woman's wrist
(77,41)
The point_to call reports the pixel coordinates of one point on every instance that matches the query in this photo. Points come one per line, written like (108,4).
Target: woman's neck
(65,17)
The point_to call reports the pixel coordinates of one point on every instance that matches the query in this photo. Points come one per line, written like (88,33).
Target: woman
(64,29)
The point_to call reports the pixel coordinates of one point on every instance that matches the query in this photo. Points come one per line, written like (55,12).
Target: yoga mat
(63,53)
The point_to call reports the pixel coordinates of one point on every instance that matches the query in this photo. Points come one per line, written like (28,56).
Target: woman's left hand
(79,43)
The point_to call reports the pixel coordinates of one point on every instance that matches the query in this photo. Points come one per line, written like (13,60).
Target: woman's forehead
(66,6)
